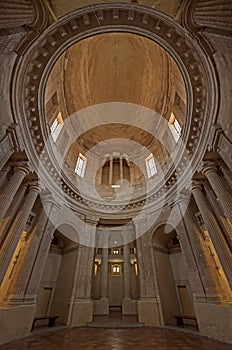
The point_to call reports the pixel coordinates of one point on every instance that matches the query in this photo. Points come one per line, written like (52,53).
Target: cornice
(32,71)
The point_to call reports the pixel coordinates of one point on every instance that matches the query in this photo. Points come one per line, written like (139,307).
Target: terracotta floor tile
(115,339)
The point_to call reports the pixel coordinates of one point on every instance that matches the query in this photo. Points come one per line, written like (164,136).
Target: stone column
(227,174)
(10,214)
(104,273)
(203,276)
(221,191)
(220,245)
(184,229)
(81,306)
(225,225)
(149,307)
(43,247)
(3,174)
(17,290)
(126,271)
(121,168)
(16,13)
(129,306)
(16,229)
(11,188)
(111,171)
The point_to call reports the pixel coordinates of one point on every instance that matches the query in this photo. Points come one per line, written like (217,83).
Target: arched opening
(172,276)
(115,275)
(57,286)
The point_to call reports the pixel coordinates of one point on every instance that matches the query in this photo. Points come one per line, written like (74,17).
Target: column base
(149,312)
(101,306)
(80,313)
(15,321)
(215,321)
(129,306)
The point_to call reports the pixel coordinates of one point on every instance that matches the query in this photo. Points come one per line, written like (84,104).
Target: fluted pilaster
(224,196)
(222,220)
(17,290)
(104,273)
(16,13)
(213,14)
(218,240)
(11,241)
(11,188)
(10,214)
(86,261)
(145,267)
(3,174)
(204,278)
(227,174)
(126,271)
(42,252)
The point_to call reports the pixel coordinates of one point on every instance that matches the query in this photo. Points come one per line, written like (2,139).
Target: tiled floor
(115,339)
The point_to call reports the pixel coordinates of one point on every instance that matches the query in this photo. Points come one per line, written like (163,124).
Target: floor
(115,339)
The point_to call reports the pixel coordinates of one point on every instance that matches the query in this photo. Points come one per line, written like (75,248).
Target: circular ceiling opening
(115,104)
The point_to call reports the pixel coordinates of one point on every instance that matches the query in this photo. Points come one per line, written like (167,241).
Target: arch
(62,266)
(172,278)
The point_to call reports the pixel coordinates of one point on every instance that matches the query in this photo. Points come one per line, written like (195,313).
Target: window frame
(56,126)
(118,270)
(151,168)
(175,127)
(80,169)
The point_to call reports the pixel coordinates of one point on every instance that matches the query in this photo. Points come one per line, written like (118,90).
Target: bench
(51,320)
(180,319)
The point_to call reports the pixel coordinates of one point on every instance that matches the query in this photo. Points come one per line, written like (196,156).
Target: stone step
(115,325)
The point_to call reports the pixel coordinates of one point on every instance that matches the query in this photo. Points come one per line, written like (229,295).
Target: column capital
(92,220)
(182,196)
(209,166)
(195,185)
(139,220)
(6,168)
(222,166)
(21,168)
(33,186)
(46,197)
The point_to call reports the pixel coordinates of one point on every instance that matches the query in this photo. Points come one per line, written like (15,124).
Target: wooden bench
(180,319)
(51,320)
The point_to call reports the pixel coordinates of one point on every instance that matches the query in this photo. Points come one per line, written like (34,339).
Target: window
(115,251)
(80,165)
(30,219)
(150,164)
(174,127)
(56,126)
(116,270)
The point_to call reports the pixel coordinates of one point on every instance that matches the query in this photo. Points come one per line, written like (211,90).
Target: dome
(115,95)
